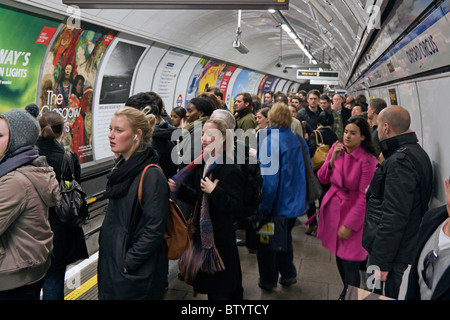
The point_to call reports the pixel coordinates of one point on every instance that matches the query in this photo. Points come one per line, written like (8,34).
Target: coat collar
(357,153)
(242,113)
(221,160)
(269,129)
(311,113)
(390,145)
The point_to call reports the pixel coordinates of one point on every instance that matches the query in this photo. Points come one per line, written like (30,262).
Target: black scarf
(124,172)
(242,113)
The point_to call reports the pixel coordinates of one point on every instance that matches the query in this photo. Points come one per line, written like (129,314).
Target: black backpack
(71,206)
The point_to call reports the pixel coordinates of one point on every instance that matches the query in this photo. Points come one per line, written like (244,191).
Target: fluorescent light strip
(297,41)
(293,35)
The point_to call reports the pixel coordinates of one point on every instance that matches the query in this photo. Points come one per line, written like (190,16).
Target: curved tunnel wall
(414,73)
(31,63)
(113,66)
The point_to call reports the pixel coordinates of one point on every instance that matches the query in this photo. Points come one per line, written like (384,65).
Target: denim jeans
(271,263)
(53,288)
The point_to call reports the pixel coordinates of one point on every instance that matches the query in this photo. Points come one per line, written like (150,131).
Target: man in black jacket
(397,199)
(429,279)
(310,114)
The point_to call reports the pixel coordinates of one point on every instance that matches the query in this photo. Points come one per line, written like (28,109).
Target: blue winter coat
(283,170)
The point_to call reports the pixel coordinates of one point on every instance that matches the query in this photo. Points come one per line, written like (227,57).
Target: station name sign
(317,75)
(181,4)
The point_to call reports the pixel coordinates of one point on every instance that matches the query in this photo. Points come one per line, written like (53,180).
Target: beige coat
(25,235)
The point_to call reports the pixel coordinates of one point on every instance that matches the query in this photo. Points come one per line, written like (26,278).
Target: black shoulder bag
(72,206)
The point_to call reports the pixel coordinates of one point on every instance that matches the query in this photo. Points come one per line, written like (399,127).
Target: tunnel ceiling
(212,32)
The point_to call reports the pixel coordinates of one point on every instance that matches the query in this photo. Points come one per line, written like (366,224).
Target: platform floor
(317,275)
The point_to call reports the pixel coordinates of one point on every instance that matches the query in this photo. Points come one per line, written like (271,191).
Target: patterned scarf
(212,262)
(183,174)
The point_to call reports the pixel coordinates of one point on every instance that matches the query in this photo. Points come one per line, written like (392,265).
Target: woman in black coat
(69,244)
(223,186)
(133,261)
(324,127)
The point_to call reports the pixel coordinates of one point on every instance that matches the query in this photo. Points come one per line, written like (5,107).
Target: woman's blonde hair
(280,115)
(222,126)
(139,120)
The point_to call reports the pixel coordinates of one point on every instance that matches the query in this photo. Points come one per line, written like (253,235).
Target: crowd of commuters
(374,209)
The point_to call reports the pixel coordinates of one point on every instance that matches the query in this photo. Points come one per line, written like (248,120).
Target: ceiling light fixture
(297,41)
(237,44)
(278,16)
(280,57)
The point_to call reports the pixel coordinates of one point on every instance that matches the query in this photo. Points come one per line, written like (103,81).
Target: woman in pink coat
(349,168)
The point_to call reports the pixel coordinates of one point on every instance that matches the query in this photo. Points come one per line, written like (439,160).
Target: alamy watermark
(268,157)
(74,19)
(372,282)
(73,280)
(374,14)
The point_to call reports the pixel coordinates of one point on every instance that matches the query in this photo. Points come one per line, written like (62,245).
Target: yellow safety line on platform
(75,294)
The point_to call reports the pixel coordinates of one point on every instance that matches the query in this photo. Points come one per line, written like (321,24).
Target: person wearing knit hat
(23,129)
(28,187)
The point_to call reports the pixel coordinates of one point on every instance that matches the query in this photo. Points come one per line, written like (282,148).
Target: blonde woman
(215,190)
(283,193)
(132,255)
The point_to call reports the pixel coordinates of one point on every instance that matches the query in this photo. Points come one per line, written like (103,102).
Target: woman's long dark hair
(364,128)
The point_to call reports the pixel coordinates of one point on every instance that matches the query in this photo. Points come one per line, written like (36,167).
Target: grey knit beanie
(23,128)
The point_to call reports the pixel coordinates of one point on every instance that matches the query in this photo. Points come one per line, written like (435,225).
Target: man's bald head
(397,117)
